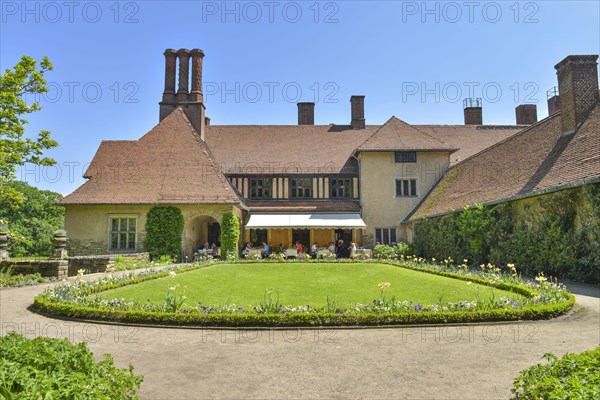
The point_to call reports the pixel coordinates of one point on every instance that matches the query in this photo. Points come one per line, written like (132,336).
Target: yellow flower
(384,285)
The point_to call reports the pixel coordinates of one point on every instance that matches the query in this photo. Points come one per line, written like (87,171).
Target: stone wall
(47,268)
(91,264)
(137,257)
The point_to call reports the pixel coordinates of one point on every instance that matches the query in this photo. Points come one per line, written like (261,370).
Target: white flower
(172,274)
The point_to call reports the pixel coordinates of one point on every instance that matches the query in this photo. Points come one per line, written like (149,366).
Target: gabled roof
(168,165)
(396,134)
(536,159)
(282,149)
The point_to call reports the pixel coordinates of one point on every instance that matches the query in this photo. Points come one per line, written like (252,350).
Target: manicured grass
(309,283)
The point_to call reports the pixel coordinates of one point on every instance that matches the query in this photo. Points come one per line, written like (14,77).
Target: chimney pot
(526,114)
(170,71)
(306,113)
(473,111)
(357,109)
(206,121)
(578,87)
(553,100)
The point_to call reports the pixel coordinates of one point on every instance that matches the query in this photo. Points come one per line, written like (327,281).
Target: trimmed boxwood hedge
(76,311)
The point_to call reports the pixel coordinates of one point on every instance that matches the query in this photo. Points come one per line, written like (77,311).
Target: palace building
(358,182)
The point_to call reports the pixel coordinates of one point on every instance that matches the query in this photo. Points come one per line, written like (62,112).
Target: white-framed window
(406,187)
(122,233)
(385,236)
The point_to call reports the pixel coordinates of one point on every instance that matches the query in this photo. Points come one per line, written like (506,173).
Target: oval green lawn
(298,284)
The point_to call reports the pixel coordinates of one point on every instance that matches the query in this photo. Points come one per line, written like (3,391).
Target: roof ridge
(518,134)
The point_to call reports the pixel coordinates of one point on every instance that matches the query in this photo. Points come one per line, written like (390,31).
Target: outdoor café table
(323,252)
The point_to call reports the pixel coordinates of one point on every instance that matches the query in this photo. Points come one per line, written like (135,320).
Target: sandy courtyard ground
(454,362)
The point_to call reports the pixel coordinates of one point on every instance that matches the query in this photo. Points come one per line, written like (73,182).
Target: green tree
(32,222)
(15,149)
(164,229)
(230,235)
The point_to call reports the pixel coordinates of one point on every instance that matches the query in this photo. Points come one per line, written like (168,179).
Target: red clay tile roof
(168,165)
(537,158)
(291,206)
(469,139)
(396,134)
(581,158)
(280,149)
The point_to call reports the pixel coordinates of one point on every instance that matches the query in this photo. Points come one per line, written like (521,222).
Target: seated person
(265,252)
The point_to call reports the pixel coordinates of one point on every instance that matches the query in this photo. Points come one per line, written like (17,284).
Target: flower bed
(533,301)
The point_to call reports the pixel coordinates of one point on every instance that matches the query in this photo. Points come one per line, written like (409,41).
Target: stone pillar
(184,71)
(3,245)
(59,241)
(170,70)
(196,92)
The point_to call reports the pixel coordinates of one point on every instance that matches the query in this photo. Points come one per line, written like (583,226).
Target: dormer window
(405,156)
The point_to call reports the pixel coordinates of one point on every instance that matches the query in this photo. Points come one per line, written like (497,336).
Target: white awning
(305,221)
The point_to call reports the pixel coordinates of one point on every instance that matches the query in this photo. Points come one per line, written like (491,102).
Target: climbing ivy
(558,235)
(230,235)
(164,228)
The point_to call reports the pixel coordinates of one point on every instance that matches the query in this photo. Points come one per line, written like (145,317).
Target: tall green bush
(230,235)
(164,229)
(541,239)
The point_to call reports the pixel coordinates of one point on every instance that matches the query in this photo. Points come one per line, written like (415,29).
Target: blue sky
(415,60)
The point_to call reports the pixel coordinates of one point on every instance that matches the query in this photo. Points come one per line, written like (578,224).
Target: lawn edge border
(306,321)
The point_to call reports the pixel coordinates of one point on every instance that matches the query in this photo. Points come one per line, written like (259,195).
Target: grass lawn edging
(43,303)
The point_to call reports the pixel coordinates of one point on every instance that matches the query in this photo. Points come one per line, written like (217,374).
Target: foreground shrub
(384,252)
(575,376)
(44,368)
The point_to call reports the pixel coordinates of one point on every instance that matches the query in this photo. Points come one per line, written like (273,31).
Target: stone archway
(197,231)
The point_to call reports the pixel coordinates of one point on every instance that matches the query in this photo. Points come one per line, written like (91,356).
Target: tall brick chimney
(170,70)
(553,100)
(184,75)
(306,113)
(578,87)
(473,111)
(192,103)
(357,108)
(196,92)
(526,114)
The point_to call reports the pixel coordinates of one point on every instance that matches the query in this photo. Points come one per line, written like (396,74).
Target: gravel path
(454,362)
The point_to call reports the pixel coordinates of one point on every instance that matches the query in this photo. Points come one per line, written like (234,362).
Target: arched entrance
(199,231)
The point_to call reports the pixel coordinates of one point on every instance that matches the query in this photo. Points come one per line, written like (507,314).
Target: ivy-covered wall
(557,234)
